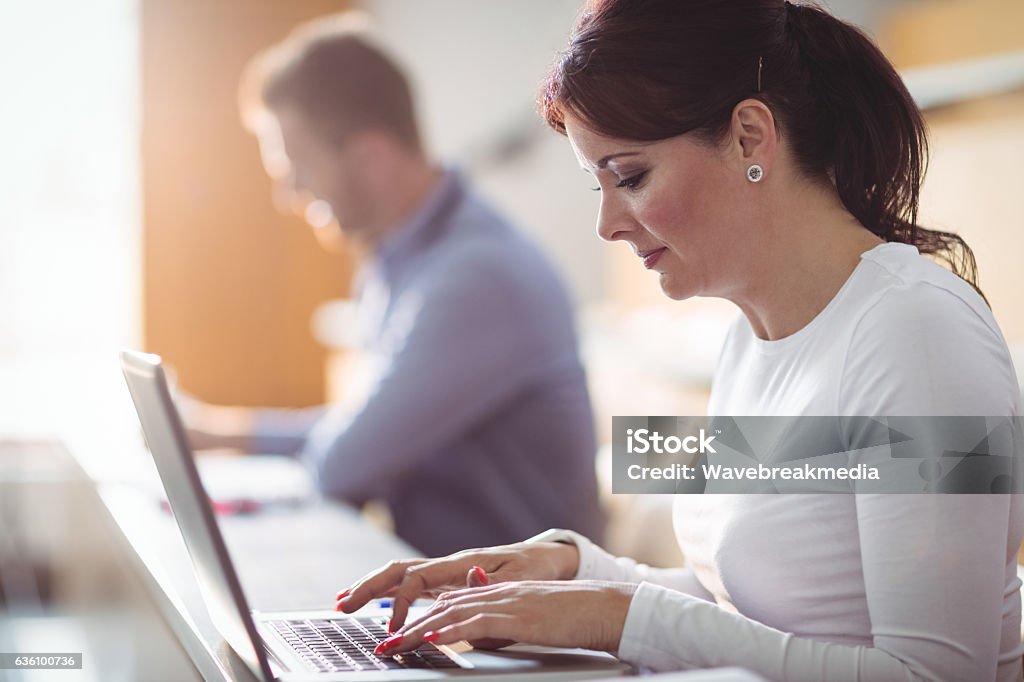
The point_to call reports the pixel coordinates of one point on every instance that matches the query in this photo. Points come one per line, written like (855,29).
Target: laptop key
(348,644)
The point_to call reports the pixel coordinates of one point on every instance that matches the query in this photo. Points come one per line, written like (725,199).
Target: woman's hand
(408,580)
(587,614)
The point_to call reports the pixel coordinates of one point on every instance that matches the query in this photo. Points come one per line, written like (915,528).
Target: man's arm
(263,430)
(456,349)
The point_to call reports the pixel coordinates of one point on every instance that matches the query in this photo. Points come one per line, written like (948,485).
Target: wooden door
(229,282)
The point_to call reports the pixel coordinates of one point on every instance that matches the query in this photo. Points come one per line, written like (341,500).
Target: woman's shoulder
(903,292)
(925,342)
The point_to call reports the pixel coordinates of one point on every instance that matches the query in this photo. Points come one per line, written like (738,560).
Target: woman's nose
(612,222)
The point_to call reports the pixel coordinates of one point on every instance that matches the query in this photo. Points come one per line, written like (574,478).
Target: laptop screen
(222,591)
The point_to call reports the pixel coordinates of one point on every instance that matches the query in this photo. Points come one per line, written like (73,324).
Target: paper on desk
(264,479)
(248,482)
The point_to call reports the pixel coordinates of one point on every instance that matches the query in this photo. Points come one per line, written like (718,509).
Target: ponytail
(873,133)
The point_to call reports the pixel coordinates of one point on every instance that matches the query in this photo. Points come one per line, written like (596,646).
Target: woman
(767,153)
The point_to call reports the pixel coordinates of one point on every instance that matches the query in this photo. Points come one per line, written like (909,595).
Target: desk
(287,559)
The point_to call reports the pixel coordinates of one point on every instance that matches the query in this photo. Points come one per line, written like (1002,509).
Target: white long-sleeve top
(846,587)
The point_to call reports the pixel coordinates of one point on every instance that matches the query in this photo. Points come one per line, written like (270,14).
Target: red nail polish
(338,607)
(388,644)
(481,575)
(341,595)
(430,635)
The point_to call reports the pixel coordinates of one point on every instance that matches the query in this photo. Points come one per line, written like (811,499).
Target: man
(477,427)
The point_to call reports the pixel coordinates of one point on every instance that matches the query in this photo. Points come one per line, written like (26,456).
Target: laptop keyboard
(348,644)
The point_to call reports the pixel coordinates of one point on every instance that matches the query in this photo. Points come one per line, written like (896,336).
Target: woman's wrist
(568,560)
(618,598)
(563,551)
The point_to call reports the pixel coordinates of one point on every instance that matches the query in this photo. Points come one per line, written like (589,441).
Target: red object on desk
(226,507)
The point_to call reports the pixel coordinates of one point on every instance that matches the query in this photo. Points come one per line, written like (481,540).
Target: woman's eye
(632,182)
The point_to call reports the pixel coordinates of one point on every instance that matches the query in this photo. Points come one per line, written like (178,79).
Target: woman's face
(674,202)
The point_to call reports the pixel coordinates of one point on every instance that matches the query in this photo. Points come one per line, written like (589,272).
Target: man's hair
(331,72)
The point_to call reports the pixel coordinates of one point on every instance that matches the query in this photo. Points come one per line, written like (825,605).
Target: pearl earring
(755,173)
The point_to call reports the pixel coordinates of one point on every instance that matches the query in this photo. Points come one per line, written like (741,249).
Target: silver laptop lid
(222,591)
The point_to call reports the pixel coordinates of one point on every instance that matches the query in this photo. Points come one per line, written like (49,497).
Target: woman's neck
(812,245)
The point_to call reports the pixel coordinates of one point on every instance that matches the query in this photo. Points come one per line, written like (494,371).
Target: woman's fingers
(477,577)
(411,579)
(380,583)
(587,614)
(339,606)
(406,581)
(429,576)
(483,631)
(449,600)
(451,625)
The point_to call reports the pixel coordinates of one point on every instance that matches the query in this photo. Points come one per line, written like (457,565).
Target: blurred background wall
(134,209)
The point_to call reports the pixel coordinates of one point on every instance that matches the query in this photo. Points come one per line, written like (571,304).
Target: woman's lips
(651,257)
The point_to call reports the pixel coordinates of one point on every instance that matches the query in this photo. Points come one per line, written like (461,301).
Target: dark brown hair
(648,70)
(331,71)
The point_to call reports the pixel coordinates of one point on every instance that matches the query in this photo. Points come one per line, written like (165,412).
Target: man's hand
(214,426)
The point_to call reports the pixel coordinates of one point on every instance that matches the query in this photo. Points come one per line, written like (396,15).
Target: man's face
(312,174)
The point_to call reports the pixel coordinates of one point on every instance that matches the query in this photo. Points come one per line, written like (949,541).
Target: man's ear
(752,134)
(373,152)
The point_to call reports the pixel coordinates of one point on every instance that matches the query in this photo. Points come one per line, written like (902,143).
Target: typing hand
(587,614)
(409,580)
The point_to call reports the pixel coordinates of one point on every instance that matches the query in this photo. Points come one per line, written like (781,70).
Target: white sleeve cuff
(650,638)
(589,552)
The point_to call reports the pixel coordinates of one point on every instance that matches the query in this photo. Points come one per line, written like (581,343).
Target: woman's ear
(752,134)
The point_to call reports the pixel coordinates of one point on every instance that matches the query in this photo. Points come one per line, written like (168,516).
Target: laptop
(320,645)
